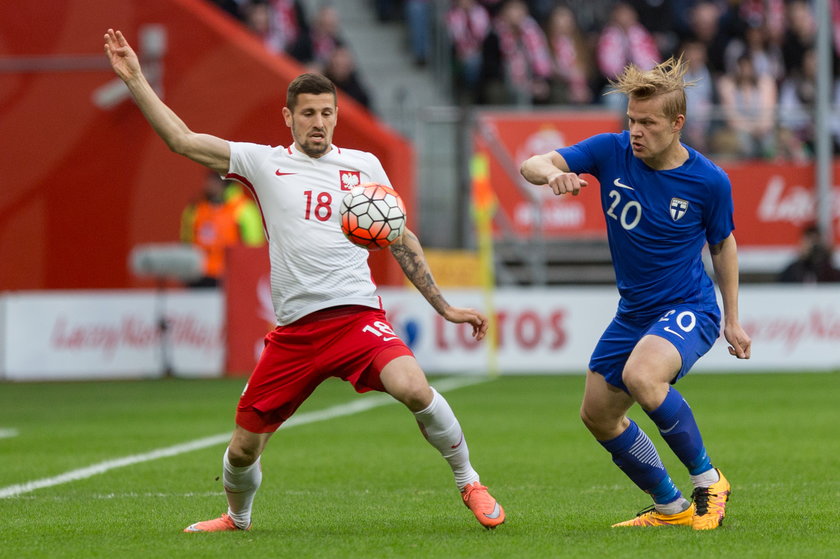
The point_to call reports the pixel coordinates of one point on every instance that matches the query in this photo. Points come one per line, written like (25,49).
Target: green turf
(367,485)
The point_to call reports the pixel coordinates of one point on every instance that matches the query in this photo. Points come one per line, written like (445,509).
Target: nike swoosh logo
(619,184)
(666,431)
(281,174)
(459,442)
(496,512)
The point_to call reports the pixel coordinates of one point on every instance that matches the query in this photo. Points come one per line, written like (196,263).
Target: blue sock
(677,426)
(634,453)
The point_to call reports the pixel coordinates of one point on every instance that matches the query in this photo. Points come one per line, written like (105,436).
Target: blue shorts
(692,329)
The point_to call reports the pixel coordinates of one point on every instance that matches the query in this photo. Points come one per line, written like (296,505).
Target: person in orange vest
(222,217)
(246,213)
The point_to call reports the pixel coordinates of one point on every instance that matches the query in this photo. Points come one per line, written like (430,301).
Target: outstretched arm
(552,170)
(725,262)
(208,150)
(409,254)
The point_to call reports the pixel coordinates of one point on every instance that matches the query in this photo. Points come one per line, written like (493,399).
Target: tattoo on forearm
(417,271)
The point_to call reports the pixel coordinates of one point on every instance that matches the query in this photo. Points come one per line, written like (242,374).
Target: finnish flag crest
(678,208)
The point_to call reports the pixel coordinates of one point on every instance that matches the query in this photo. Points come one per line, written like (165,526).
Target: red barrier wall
(82,185)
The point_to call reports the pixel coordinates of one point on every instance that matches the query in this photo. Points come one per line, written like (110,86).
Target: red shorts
(353,343)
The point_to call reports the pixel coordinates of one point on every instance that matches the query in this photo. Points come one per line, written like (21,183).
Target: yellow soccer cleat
(222,524)
(710,504)
(651,517)
(485,508)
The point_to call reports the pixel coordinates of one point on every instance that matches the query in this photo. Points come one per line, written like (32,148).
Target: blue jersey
(657,221)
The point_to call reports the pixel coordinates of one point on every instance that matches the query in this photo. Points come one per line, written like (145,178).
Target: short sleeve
(584,156)
(719,211)
(377,172)
(245,159)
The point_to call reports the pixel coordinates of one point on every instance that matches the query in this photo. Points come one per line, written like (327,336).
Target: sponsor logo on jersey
(678,208)
(620,184)
(349,179)
(280,173)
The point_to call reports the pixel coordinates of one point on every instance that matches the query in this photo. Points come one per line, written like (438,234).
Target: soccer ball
(372,216)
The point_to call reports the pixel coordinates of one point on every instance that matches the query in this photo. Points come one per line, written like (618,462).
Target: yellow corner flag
(484,204)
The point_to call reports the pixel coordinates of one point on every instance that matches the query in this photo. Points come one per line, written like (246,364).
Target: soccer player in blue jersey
(663,201)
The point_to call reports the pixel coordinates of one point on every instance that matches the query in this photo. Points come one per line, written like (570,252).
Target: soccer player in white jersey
(330,320)
(663,202)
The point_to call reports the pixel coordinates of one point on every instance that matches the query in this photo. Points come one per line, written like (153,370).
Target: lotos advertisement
(553,331)
(116,334)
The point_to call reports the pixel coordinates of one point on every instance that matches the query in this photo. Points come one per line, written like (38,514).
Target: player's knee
(592,420)
(636,381)
(242,454)
(416,396)
(587,418)
(646,389)
(603,426)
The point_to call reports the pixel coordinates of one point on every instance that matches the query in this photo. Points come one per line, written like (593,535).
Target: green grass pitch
(367,484)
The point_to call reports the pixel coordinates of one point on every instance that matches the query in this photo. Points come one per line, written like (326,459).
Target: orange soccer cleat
(222,524)
(482,504)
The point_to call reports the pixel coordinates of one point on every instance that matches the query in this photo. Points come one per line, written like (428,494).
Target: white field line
(356,406)
(8,433)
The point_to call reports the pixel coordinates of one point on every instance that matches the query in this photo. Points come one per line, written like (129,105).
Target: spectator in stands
(570,58)
(213,224)
(700,97)
(258,21)
(767,13)
(624,41)
(591,15)
(325,36)
(282,26)
(801,31)
(467,24)
(704,25)
(658,17)
(292,28)
(797,102)
(341,70)
(813,263)
(748,100)
(517,64)
(418,16)
(755,41)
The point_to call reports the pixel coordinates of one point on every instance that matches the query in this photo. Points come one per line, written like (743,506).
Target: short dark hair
(311,83)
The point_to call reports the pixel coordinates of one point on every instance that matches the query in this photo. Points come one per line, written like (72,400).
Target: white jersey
(313,266)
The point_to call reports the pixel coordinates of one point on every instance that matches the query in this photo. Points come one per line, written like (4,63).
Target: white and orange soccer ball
(372,216)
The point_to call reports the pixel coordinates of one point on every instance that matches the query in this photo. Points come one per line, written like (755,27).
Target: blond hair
(666,78)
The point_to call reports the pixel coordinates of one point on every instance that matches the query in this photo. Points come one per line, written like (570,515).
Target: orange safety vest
(214,229)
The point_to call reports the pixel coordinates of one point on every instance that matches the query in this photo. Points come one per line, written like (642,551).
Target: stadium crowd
(753,61)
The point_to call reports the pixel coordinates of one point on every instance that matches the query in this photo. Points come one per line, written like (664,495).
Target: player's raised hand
(740,343)
(122,57)
(460,315)
(565,183)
